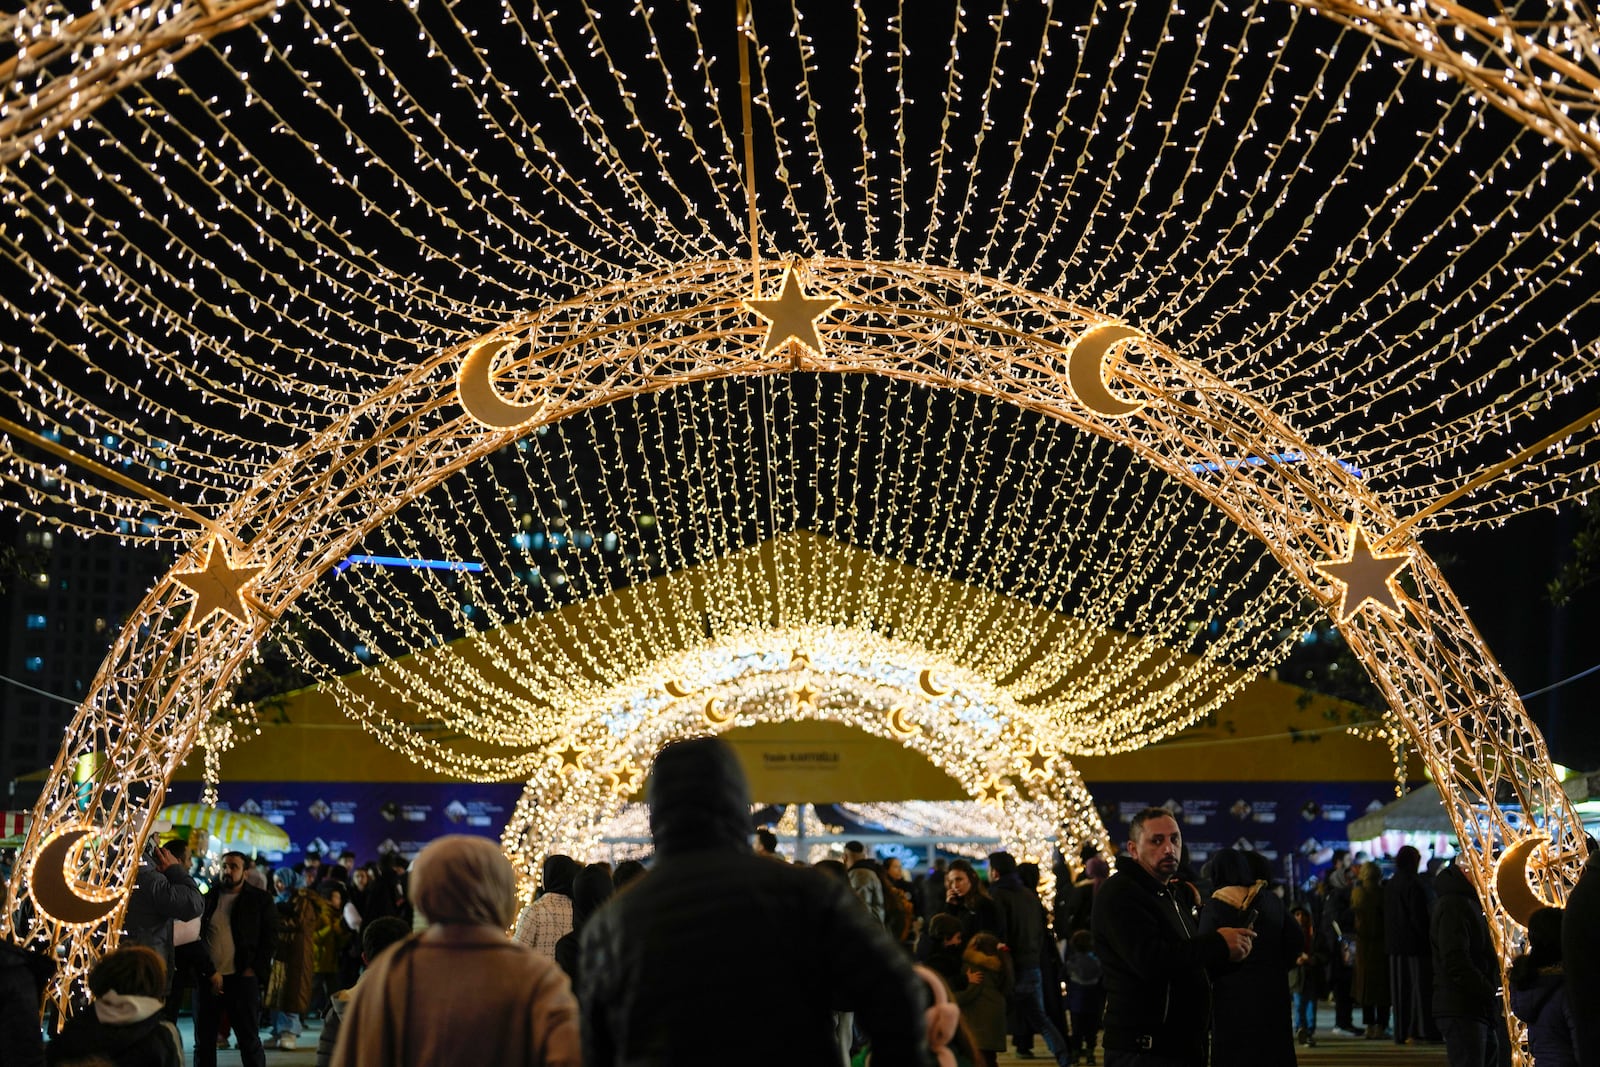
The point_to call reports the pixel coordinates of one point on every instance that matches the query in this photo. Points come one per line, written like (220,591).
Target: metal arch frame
(939,327)
(563,805)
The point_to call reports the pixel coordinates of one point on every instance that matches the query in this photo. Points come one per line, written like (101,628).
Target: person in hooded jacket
(23,976)
(723,957)
(591,888)
(124,1025)
(548,917)
(1580,954)
(461,992)
(1465,972)
(1251,1021)
(1538,986)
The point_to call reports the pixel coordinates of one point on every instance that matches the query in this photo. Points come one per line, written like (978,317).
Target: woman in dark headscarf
(460,991)
(1251,1021)
(590,889)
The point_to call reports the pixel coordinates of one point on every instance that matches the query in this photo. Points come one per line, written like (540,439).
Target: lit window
(37,622)
(34,664)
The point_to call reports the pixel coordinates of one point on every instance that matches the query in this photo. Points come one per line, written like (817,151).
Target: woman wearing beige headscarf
(460,991)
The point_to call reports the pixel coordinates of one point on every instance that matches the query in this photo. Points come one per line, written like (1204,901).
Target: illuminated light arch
(854,677)
(934,326)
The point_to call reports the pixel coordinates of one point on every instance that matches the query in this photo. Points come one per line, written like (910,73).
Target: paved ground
(1332,1050)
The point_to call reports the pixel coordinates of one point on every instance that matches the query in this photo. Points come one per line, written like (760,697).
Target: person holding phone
(163,892)
(1252,1018)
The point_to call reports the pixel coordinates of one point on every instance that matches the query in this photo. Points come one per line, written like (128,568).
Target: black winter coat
(768,949)
(1250,1022)
(151,1042)
(1155,965)
(157,899)
(22,979)
(1580,956)
(1022,919)
(1465,973)
(978,914)
(1405,916)
(254,922)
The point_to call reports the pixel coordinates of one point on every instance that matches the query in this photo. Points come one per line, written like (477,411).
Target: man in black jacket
(1580,952)
(1158,995)
(1465,973)
(240,931)
(1405,940)
(723,957)
(162,892)
(1026,929)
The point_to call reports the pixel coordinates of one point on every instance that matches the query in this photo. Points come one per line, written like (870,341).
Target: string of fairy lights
(237,284)
(1117,607)
(220,258)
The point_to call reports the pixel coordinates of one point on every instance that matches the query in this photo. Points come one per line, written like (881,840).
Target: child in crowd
(124,1025)
(1086,996)
(1539,992)
(944,933)
(1305,979)
(989,976)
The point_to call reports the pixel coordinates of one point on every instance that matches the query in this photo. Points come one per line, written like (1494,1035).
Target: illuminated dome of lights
(1334,267)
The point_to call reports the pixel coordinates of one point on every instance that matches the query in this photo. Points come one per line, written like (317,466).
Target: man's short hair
(380,933)
(768,840)
(313,854)
(855,848)
(1002,864)
(133,971)
(1136,824)
(242,858)
(179,849)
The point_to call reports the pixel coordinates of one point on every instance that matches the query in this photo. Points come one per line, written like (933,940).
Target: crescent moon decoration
(929,686)
(675,688)
(898,724)
(713,713)
(475,388)
(56,892)
(1086,371)
(1519,899)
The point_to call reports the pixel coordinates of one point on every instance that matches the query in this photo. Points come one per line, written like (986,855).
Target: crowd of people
(723,953)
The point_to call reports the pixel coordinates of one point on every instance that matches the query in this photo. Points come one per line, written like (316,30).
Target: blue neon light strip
(1211,467)
(410,564)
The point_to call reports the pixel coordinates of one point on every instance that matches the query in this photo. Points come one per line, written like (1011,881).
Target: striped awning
(227,827)
(13,827)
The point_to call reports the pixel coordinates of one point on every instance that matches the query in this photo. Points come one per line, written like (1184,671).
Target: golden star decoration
(1038,762)
(571,757)
(218,585)
(991,791)
(1364,575)
(805,695)
(624,782)
(792,316)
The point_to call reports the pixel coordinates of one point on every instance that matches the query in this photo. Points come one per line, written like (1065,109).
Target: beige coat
(460,992)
